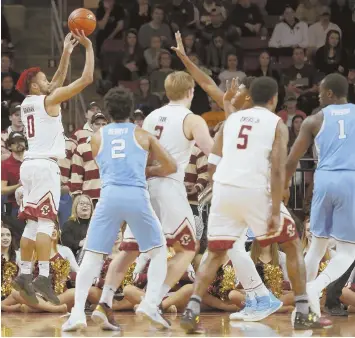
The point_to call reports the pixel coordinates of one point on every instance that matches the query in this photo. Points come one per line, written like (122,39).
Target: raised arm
(61,73)
(205,81)
(65,93)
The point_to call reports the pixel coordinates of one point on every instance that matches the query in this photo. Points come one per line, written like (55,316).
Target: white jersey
(45,133)
(167,124)
(248,137)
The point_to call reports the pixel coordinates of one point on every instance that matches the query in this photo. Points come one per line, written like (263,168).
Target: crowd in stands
(296,44)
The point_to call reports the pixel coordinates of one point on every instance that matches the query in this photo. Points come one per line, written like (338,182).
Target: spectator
(290,110)
(231,72)
(6,67)
(140,14)
(8,91)
(191,45)
(180,14)
(265,67)
(294,130)
(85,176)
(155,27)
(289,33)
(152,53)
(75,229)
(138,118)
(130,63)
(332,57)
(109,16)
(217,52)
(10,170)
(247,18)
(317,32)
(81,135)
(308,11)
(217,25)
(214,116)
(64,164)
(144,97)
(157,78)
(206,10)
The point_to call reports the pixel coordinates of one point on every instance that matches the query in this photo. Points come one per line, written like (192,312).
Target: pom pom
(273,279)
(61,269)
(9,272)
(23,83)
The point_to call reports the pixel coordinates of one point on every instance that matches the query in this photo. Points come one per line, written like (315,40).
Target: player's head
(264,92)
(118,104)
(33,82)
(334,87)
(179,86)
(242,99)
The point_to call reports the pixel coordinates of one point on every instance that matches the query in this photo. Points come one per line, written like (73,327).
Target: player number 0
(342,134)
(30,126)
(118,146)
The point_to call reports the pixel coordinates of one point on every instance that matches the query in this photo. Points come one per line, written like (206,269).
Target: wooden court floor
(214,324)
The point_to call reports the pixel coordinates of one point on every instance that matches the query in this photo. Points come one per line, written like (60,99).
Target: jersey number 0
(30,126)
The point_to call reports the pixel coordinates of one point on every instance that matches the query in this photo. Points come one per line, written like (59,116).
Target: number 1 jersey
(248,137)
(45,133)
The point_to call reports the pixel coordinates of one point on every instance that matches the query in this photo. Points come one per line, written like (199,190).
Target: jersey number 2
(118,147)
(30,126)
(243,136)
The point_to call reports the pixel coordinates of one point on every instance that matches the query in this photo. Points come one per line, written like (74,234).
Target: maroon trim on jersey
(220,244)
(183,234)
(183,125)
(44,208)
(130,245)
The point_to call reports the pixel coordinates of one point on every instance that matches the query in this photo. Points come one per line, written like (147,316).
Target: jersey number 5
(243,136)
(159,130)
(30,126)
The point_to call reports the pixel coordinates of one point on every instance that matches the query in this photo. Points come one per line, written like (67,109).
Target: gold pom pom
(273,279)
(61,269)
(9,273)
(322,266)
(228,281)
(128,278)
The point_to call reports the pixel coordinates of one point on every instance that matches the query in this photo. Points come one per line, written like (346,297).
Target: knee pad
(30,230)
(45,226)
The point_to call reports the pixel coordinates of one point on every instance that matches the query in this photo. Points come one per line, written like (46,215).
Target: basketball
(82,19)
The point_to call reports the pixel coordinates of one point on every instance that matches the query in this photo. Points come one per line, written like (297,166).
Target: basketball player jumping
(251,142)
(39,173)
(333,204)
(121,150)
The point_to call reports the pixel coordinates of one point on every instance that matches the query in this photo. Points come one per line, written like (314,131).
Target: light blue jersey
(121,159)
(333,203)
(335,142)
(124,195)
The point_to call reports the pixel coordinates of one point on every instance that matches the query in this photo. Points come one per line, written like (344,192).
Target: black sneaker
(23,284)
(103,316)
(339,311)
(190,322)
(311,321)
(43,286)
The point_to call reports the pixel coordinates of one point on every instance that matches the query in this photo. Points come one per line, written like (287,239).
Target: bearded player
(39,173)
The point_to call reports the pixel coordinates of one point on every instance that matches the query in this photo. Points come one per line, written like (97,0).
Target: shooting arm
(61,73)
(299,148)
(278,162)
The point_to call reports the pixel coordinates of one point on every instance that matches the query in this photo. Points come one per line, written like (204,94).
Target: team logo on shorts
(185,240)
(45,210)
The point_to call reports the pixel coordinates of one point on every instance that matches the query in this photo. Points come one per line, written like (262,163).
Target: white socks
(43,268)
(245,270)
(108,292)
(89,269)
(25,267)
(156,275)
(314,255)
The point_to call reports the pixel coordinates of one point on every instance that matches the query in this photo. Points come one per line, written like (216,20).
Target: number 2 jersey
(45,133)
(167,124)
(248,137)
(335,142)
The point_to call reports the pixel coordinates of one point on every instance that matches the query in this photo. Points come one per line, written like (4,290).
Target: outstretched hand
(81,38)
(232,89)
(69,43)
(179,49)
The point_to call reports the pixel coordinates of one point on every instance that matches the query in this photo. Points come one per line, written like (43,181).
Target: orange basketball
(82,19)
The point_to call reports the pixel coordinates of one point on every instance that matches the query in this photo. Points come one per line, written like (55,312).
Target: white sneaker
(75,322)
(152,313)
(250,307)
(313,299)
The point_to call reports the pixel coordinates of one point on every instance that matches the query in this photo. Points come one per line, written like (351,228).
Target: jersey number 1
(30,126)
(243,136)
(342,134)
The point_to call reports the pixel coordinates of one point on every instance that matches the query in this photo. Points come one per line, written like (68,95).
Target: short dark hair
(263,89)
(159,7)
(247,81)
(337,83)
(118,103)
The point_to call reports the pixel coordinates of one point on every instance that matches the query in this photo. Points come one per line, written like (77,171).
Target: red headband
(23,82)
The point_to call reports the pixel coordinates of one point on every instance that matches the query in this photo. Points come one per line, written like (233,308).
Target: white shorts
(169,201)
(41,189)
(234,209)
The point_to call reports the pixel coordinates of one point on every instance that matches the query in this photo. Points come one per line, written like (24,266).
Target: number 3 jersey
(248,137)
(121,159)
(167,124)
(335,142)
(45,133)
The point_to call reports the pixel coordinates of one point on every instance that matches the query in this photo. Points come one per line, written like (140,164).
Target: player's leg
(102,233)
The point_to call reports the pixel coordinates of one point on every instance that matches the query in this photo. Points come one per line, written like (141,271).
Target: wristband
(214,159)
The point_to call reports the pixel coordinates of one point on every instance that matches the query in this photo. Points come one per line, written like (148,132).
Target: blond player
(40,173)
